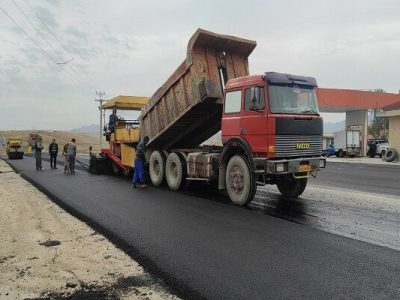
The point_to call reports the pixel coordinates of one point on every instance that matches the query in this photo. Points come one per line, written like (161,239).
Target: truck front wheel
(290,187)
(240,181)
(175,171)
(157,168)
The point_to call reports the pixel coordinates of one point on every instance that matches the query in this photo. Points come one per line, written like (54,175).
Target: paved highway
(204,247)
(381,179)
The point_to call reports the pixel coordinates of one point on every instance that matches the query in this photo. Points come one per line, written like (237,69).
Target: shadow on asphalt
(273,204)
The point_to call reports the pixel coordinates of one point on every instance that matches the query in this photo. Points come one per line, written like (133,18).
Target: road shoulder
(45,252)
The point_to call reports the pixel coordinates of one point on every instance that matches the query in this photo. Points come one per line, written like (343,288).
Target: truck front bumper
(290,166)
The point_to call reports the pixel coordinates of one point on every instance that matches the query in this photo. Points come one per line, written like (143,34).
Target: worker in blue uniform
(139,176)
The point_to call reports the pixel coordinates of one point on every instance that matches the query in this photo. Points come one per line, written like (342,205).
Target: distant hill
(334,126)
(93,129)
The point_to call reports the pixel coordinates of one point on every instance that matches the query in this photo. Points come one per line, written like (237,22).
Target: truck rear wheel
(175,171)
(290,187)
(157,168)
(240,182)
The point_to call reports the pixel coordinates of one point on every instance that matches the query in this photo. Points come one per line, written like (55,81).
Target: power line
(44,38)
(48,28)
(37,44)
(59,42)
(33,25)
(40,47)
(33,40)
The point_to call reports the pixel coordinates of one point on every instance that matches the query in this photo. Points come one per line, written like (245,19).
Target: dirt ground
(83,140)
(46,253)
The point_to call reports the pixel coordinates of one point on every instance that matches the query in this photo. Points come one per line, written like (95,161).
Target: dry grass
(83,140)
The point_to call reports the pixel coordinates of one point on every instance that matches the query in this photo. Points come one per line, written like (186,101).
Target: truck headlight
(280,167)
(322,163)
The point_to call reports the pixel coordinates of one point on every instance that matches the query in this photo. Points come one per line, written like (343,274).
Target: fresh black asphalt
(211,249)
(371,178)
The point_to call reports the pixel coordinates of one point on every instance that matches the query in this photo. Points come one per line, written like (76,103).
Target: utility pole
(100,100)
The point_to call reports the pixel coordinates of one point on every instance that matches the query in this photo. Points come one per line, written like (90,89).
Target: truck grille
(298,145)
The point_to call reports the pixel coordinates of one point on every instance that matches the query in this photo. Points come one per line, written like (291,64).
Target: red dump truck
(270,125)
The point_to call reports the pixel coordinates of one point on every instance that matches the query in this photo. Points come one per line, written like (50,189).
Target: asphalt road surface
(382,179)
(275,248)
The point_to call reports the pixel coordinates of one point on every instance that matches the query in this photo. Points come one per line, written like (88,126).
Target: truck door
(231,118)
(253,122)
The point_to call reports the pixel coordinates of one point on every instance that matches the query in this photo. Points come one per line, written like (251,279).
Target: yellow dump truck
(122,135)
(14,149)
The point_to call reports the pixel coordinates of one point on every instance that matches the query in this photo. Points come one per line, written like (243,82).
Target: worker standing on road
(71,154)
(38,153)
(138,177)
(66,169)
(53,151)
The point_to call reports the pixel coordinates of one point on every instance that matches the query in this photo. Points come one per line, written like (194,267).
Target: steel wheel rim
(237,182)
(174,170)
(156,167)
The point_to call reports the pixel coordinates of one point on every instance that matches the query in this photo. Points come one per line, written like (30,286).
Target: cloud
(77,34)
(54,2)
(46,17)
(131,47)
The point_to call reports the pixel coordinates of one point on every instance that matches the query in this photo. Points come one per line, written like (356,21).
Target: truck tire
(157,168)
(340,153)
(175,171)
(290,187)
(390,155)
(382,155)
(240,182)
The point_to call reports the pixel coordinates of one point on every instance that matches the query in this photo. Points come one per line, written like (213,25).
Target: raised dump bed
(186,110)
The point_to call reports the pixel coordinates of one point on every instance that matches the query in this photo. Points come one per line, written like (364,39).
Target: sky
(57,54)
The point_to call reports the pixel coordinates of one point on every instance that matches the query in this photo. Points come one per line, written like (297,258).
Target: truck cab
(274,120)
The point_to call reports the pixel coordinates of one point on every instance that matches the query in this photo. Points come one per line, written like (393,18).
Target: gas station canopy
(342,100)
(126,103)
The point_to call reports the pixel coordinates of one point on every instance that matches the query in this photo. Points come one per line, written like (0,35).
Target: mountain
(93,129)
(334,126)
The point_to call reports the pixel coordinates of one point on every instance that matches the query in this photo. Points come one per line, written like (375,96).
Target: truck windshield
(292,100)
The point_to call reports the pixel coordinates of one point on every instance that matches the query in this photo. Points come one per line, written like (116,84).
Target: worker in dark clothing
(71,154)
(372,149)
(65,149)
(38,153)
(53,151)
(138,177)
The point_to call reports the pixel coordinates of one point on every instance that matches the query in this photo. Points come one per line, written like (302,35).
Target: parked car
(329,151)
(381,147)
